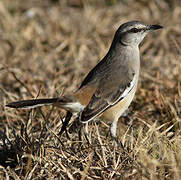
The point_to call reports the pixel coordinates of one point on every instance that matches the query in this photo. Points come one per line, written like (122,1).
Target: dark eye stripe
(135,30)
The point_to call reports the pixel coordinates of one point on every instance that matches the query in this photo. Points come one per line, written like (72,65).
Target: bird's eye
(134,30)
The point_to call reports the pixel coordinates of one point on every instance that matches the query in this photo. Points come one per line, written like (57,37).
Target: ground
(47,47)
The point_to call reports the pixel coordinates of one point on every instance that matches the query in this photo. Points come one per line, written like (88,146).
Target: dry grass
(46,48)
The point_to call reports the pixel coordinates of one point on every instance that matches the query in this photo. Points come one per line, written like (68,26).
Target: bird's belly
(117,110)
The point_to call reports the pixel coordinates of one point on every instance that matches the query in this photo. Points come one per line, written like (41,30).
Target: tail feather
(66,102)
(32,103)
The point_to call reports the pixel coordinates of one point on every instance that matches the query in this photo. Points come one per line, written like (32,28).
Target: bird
(109,88)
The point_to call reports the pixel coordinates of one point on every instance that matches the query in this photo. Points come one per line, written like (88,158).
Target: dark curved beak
(154,27)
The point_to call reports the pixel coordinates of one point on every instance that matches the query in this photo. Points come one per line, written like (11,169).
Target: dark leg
(75,126)
(65,123)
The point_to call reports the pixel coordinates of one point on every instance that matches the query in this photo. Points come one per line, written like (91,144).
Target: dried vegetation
(46,48)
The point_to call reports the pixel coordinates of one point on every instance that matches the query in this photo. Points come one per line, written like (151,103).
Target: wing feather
(103,99)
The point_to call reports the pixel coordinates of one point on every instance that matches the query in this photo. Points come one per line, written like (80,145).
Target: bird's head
(133,32)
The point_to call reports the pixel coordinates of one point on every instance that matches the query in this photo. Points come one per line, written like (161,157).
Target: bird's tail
(68,103)
(28,104)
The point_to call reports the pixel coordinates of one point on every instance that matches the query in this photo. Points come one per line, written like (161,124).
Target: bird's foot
(118,142)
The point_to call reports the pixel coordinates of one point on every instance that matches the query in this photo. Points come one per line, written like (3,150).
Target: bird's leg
(77,127)
(65,123)
(86,133)
(113,133)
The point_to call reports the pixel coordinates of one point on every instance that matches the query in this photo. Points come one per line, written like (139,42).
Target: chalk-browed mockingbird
(110,86)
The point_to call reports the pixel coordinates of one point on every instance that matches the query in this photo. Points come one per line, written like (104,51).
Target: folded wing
(112,89)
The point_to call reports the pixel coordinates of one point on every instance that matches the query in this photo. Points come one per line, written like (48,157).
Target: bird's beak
(154,27)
